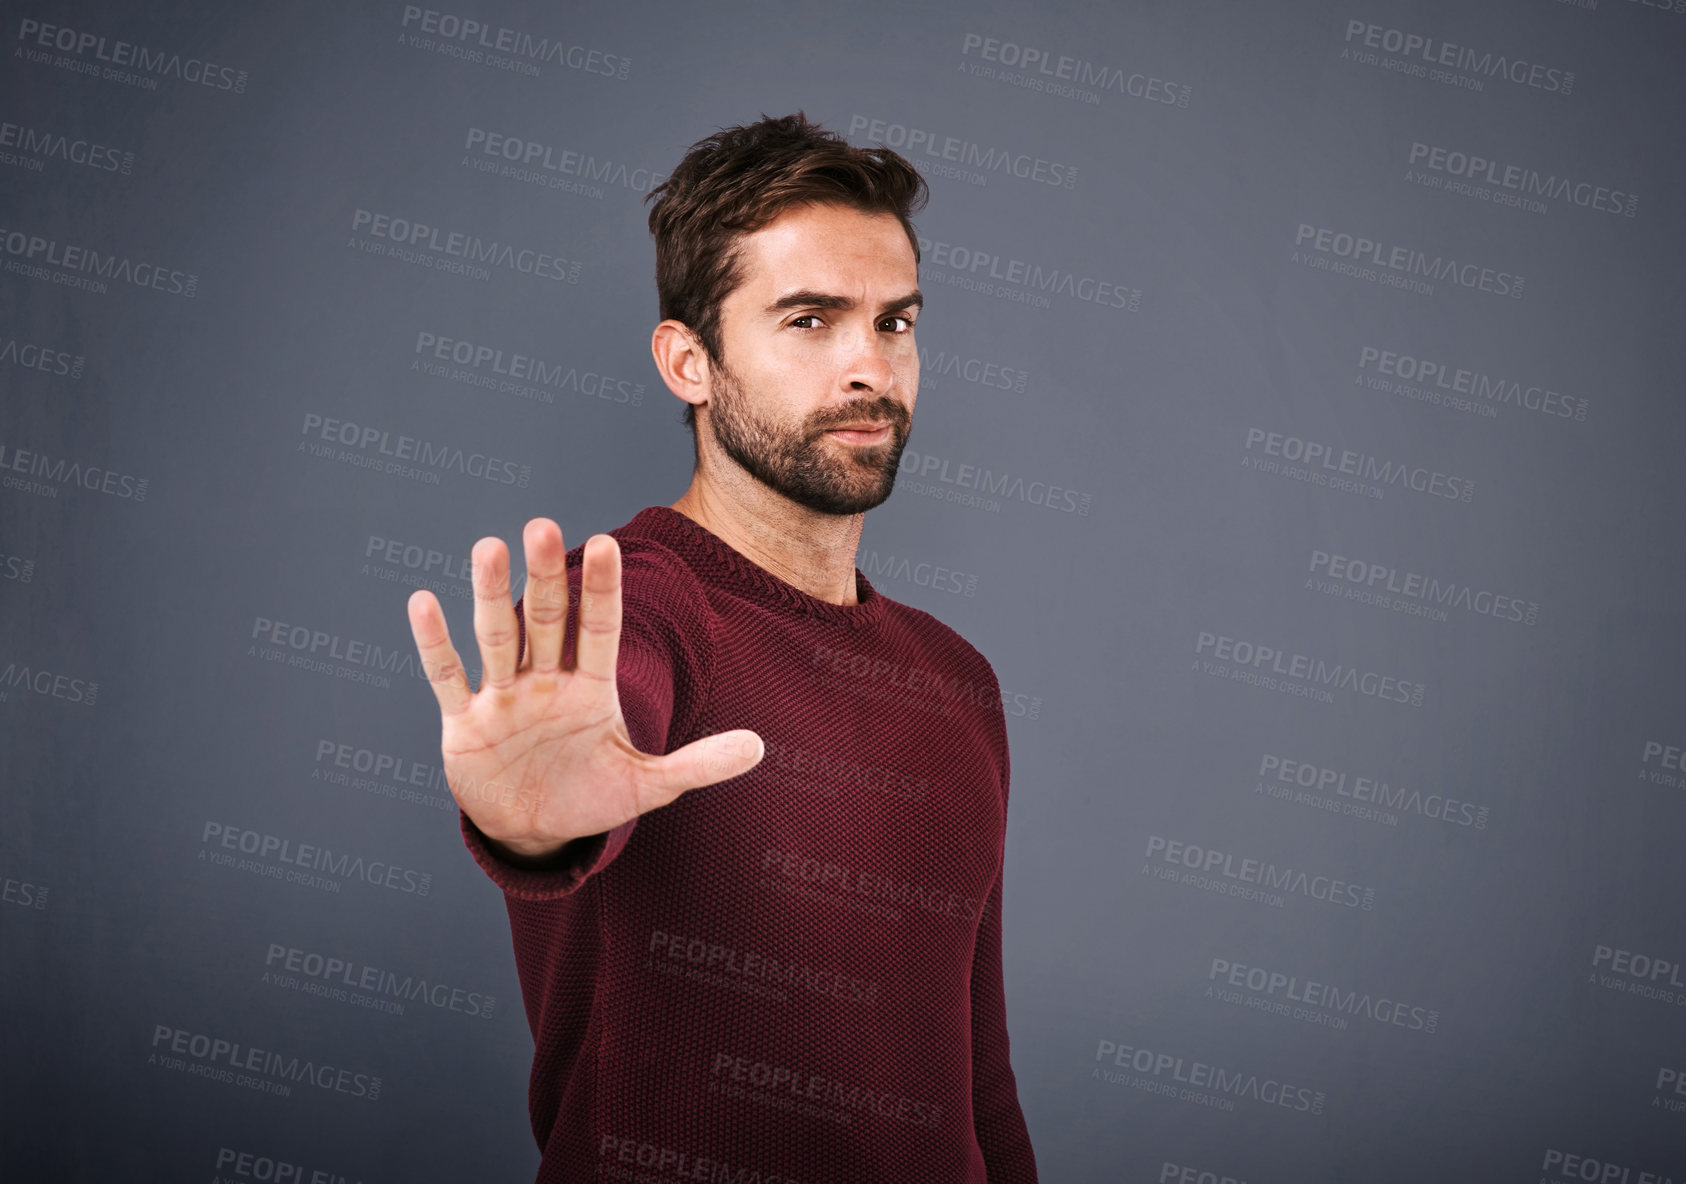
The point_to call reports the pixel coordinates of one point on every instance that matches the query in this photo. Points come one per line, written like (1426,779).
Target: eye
(811,319)
(896,324)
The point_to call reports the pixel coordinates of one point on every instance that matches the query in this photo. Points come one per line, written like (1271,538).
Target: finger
(544,600)
(494,613)
(598,642)
(701,762)
(438,656)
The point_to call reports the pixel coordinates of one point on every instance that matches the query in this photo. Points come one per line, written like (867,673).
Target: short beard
(804,467)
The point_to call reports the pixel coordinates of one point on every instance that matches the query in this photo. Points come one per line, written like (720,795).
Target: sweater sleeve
(661,672)
(997,1119)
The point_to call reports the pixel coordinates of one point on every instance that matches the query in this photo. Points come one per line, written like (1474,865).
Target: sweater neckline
(694,541)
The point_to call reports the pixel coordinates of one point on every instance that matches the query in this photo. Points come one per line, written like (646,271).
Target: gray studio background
(1312,484)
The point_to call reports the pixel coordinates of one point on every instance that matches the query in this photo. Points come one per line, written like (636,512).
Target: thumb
(706,761)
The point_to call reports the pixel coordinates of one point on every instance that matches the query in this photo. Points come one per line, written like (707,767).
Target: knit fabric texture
(792,976)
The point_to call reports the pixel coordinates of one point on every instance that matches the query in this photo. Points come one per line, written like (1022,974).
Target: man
(750,829)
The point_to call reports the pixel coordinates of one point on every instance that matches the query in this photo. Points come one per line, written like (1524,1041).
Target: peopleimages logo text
(377,441)
(165,64)
(229,1056)
(1273,988)
(327,974)
(31,355)
(1407,261)
(468,247)
(1527,182)
(1330,782)
(1314,454)
(1434,52)
(465,30)
(1496,390)
(1380,577)
(1048,65)
(319,859)
(967,153)
(41,142)
(926,465)
(1207,861)
(38,251)
(944,364)
(1234,1083)
(539,156)
(1261,659)
(63,471)
(1031,278)
(1565,1165)
(520,369)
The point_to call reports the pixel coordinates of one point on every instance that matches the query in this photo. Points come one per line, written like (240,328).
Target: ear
(682,361)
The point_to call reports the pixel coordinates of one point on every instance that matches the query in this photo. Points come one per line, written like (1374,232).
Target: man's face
(817,337)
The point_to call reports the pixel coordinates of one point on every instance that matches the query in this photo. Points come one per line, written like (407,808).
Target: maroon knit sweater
(793,975)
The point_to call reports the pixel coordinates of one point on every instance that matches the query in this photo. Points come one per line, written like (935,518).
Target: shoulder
(965,678)
(664,609)
(654,577)
(946,649)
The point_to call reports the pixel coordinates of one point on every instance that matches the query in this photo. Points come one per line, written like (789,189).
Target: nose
(867,368)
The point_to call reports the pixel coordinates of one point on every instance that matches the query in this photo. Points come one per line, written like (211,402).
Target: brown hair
(737,181)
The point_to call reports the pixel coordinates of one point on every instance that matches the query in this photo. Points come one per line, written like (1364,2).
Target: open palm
(539,755)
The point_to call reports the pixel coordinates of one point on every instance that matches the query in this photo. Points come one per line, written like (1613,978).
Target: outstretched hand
(539,755)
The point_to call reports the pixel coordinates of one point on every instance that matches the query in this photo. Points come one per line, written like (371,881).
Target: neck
(809,550)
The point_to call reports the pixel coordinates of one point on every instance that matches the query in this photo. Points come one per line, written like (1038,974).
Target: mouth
(862,433)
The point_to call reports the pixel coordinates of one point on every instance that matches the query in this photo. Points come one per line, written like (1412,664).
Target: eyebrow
(811,299)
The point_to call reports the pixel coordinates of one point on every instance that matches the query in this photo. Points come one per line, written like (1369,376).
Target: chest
(875,817)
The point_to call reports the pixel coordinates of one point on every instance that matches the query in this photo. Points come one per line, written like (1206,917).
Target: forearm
(997,1117)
